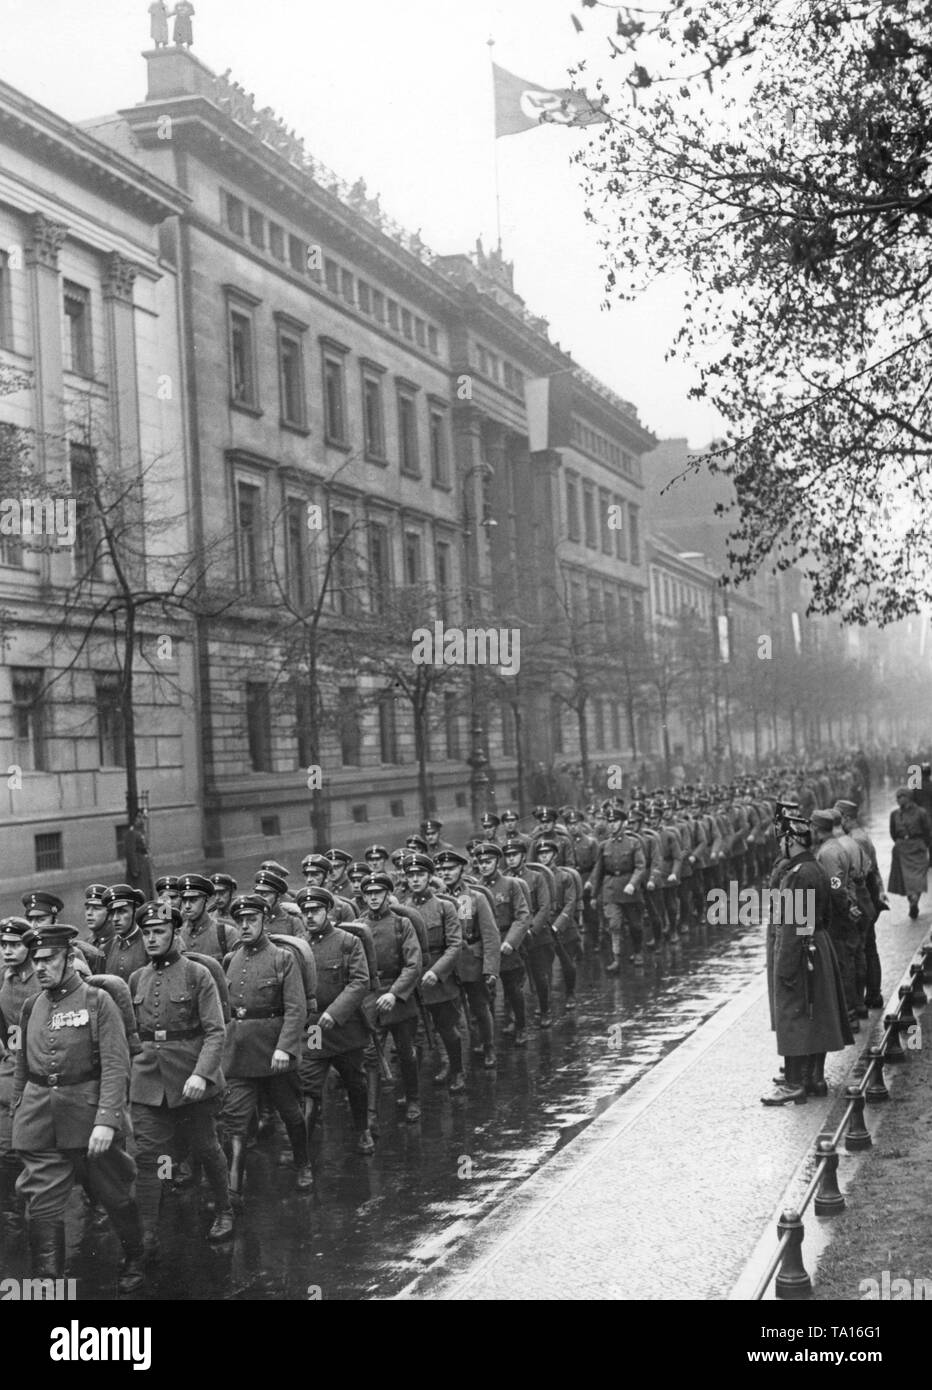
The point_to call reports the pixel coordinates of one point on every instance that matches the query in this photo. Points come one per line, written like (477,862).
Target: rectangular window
(29,720)
(635,533)
(235,215)
(331,275)
(589,516)
(637,606)
(48,851)
(605,501)
(406,323)
(572,509)
(433,344)
(6,306)
(615,710)
(407,433)
(259,726)
(420,332)
(257,229)
(493,366)
(297,254)
(334,400)
(365,297)
(393,315)
(396,809)
(291,380)
(277,241)
(556,723)
(270,826)
(379,567)
(248,520)
(78,344)
(442,575)
(509,744)
(388,735)
(350,736)
(87,548)
(242,360)
(509,376)
(378,306)
(620,527)
(412,558)
(348,286)
(110,742)
(451,726)
(373,416)
(599,711)
(439,458)
(296,545)
(342,573)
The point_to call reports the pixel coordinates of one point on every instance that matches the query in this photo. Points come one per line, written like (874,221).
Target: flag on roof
(521,105)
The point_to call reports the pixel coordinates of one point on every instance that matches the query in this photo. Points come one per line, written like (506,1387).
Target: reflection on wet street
(373,1224)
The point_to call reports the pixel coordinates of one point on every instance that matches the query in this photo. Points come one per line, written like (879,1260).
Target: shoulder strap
(222,937)
(93,1009)
(399,938)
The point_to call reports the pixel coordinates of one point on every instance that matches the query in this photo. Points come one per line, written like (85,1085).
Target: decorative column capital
(45,241)
(119,277)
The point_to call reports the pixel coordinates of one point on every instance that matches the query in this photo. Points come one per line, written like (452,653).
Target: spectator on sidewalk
(911,833)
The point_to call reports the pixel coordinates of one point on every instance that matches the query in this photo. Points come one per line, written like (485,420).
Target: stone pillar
(467,452)
(51,447)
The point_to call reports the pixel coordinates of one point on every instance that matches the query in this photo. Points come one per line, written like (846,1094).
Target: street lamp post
(478,760)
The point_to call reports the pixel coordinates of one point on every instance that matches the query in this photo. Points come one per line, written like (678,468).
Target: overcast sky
(401,93)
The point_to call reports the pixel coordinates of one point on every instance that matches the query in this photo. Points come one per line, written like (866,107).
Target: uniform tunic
(342,986)
(480,951)
(19,984)
(124,954)
(794,987)
(620,861)
(398,966)
(204,937)
(176,995)
(58,1043)
(262,977)
(512,915)
(909,868)
(444,940)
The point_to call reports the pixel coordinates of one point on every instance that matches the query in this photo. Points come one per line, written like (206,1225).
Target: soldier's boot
(816,1085)
(792,1088)
(454,1048)
(47,1247)
(297,1138)
(215,1169)
(128,1227)
(410,1079)
(12,1206)
(373,1091)
(356,1095)
(237,1170)
(860,987)
(266,1123)
(312,1108)
(443,1074)
(148,1200)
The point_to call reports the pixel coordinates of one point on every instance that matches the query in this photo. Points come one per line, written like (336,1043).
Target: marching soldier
(584,851)
(317,869)
(671,864)
(431,829)
(376,859)
(264,1037)
(538,944)
(95,913)
(478,964)
(125,950)
(41,910)
(339,863)
(273,887)
(167,889)
(564,928)
(224,891)
(488,824)
(19,983)
(649,837)
(69,1104)
(440,992)
(547,829)
(200,932)
(509,824)
(399,962)
(337,1031)
(176,1082)
(513,918)
(616,881)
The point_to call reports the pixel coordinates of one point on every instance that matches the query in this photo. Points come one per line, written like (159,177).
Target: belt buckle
(52,1078)
(160,1035)
(240,1012)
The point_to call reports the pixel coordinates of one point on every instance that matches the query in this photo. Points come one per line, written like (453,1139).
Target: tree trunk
(667,757)
(320,808)
(129,716)
(420,707)
(519,757)
(583,742)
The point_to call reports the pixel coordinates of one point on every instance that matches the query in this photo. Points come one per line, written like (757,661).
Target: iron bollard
(918,996)
(829,1200)
(906,1007)
(877,1090)
(926,950)
(792,1280)
(893,1051)
(858,1136)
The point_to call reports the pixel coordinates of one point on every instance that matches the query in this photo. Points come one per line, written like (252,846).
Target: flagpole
(498,201)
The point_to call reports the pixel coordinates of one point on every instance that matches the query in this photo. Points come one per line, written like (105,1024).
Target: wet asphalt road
(373,1224)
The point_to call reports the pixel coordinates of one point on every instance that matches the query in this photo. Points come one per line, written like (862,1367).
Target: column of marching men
(181,1027)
